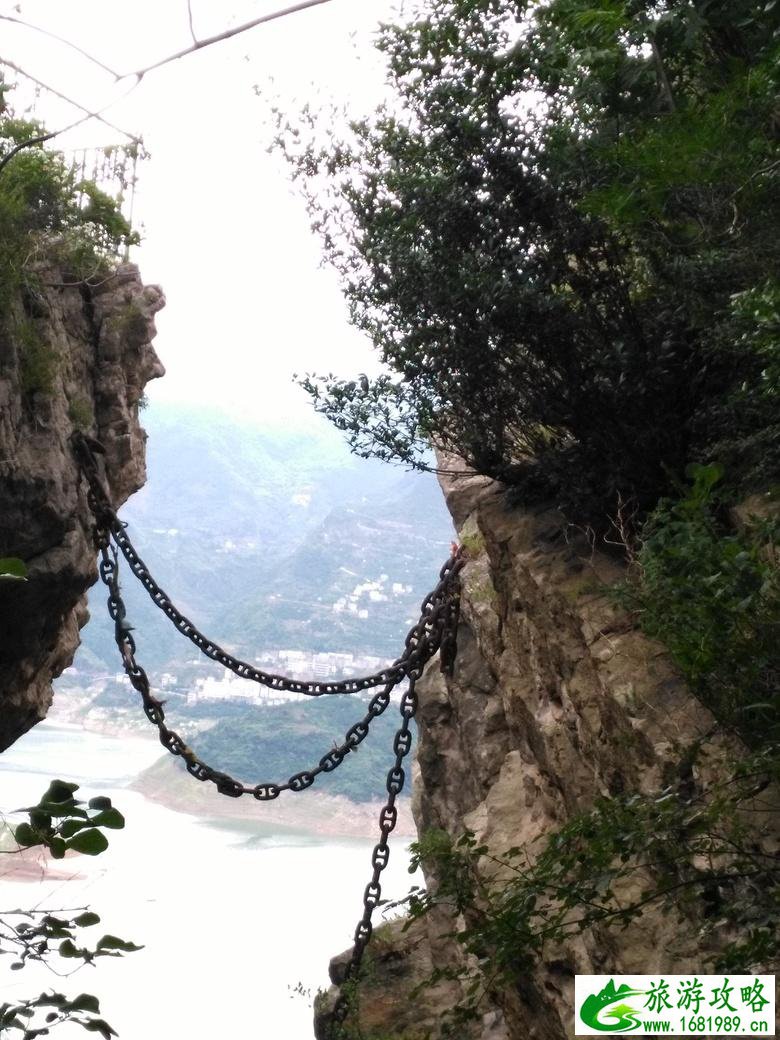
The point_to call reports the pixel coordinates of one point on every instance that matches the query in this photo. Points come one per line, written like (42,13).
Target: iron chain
(435,631)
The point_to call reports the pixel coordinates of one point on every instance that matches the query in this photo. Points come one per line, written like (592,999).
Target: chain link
(380,856)
(435,631)
(422,643)
(108,525)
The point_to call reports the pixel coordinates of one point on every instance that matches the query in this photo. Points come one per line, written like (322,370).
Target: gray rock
(98,341)
(555,699)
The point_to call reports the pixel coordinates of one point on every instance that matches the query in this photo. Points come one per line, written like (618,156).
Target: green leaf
(91,842)
(98,1025)
(57,848)
(51,1000)
(99,803)
(86,919)
(111,942)
(26,836)
(85,1002)
(69,949)
(71,827)
(111,818)
(41,821)
(59,791)
(705,477)
(61,809)
(11,567)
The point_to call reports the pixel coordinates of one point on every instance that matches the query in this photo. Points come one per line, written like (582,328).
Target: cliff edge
(556,699)
(72,356)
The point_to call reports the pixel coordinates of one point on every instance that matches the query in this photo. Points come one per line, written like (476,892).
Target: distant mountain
(272,539)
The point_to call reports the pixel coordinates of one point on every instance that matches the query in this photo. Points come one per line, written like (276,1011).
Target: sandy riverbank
(327,815)
(167,783)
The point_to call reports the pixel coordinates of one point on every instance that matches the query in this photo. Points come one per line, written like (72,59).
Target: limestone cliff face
(71,357)
(555,699)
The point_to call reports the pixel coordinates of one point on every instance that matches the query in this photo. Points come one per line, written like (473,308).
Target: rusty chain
(435,631)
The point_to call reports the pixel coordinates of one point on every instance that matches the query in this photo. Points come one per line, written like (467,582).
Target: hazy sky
(224,234)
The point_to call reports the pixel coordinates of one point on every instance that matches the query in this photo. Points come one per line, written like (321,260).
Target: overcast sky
(224,234)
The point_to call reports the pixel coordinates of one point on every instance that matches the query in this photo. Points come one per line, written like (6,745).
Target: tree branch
(226,35)
(28,144)
(88,113)
(663,79)
(138,74)
(192,28)
(61,39)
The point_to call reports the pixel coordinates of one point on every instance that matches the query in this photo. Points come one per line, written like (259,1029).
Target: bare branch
(192,28)
(61,39)
(88,113)
(226,35)
(138,74)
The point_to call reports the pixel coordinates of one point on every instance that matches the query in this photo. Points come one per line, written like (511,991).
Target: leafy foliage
(47,211)
(690,853)
(712,596)
(37,359)
(543,235)
(41,197)
(60,823)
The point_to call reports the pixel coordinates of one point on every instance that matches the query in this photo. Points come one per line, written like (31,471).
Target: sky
(224,232)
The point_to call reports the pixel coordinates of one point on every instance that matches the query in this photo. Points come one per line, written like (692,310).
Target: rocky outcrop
(71,357)
(556,698)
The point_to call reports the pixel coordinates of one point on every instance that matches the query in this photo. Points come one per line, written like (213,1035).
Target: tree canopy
(561,237)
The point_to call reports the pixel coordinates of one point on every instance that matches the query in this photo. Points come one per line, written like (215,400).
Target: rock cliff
(71,357)
(556,699)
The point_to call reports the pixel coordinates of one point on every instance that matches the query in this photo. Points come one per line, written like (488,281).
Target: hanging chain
(422,642)
(435,631)
(388,817)
(108,523)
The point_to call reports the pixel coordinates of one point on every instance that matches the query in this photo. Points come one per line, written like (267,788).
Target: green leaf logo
(598,1013)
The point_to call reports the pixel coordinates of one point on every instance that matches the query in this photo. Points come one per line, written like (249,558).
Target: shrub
(45,207)
(687,854)
(712,596)
(80,413)
(37,359)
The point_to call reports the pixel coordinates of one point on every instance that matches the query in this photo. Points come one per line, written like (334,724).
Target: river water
(234,915)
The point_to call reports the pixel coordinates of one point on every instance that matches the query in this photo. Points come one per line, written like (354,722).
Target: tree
(551,235)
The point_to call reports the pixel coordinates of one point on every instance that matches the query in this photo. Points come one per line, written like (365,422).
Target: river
(236,917)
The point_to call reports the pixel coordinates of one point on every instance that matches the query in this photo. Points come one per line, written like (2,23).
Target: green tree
(543,235)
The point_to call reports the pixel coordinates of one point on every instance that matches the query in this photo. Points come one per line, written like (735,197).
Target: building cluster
(379,591)
(302,664)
